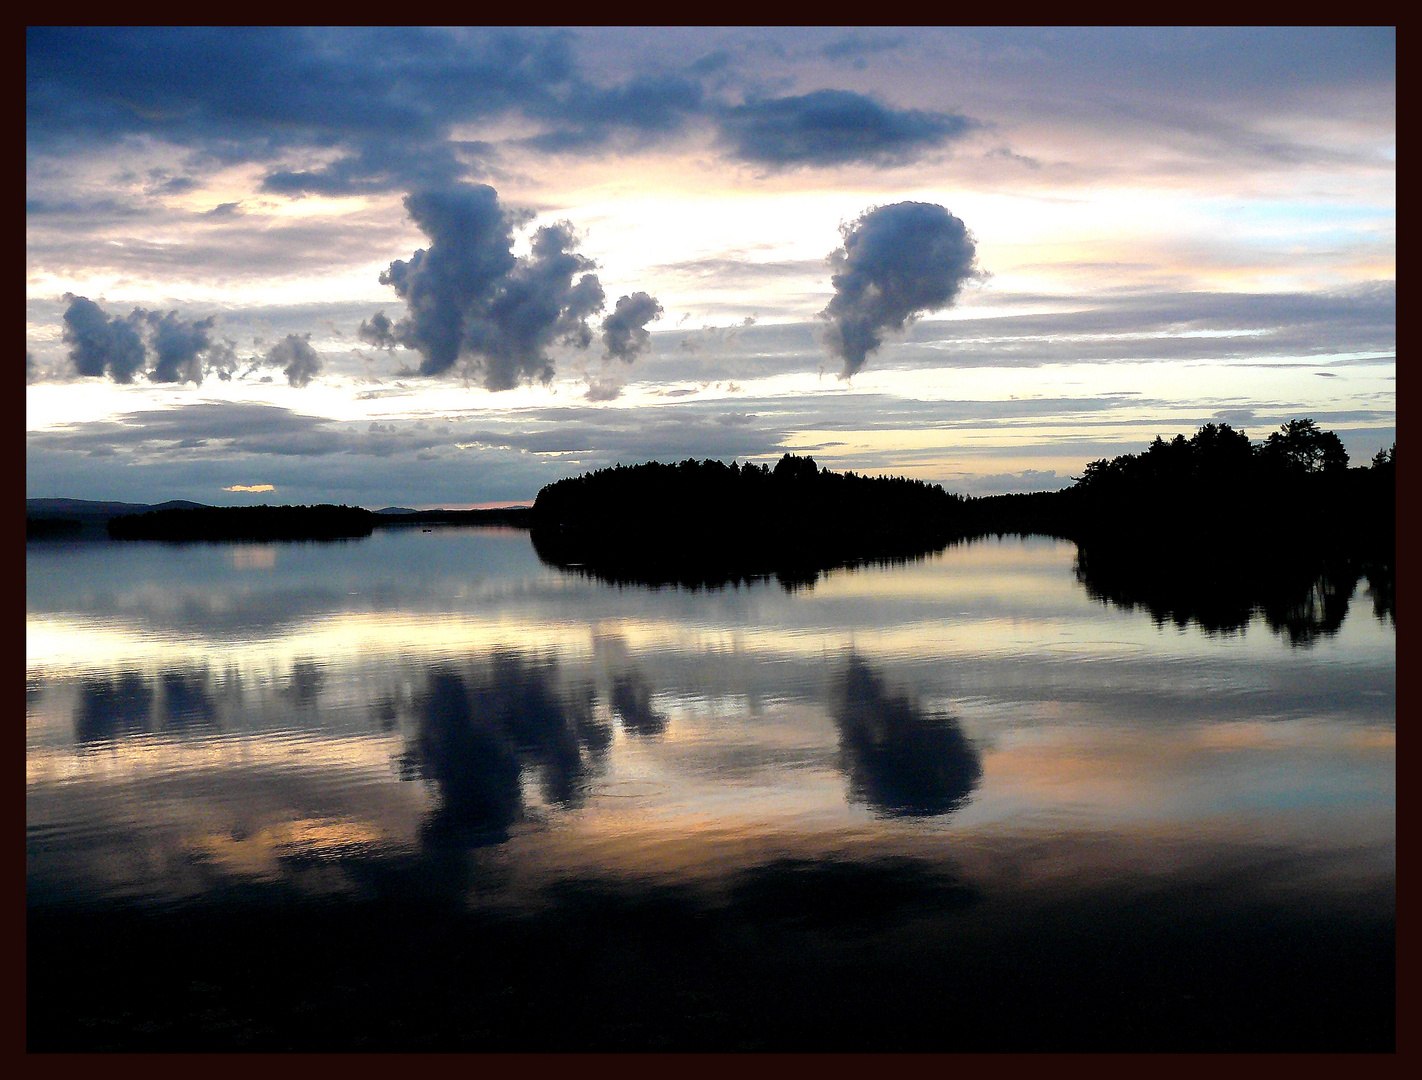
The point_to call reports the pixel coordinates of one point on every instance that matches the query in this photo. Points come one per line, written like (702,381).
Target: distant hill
(48,508)
(395,510)
(85,519)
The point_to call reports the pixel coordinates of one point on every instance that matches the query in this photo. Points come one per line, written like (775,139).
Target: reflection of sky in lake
(206,714)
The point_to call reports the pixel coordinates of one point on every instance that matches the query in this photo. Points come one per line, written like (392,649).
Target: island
(1206,508)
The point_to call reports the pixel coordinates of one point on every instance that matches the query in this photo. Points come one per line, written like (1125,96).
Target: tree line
(1212,496)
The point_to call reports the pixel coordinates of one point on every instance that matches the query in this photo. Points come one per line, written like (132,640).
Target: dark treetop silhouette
(1211,528)
(706,523)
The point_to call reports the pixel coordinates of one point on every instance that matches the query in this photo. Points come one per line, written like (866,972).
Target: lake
(421,791)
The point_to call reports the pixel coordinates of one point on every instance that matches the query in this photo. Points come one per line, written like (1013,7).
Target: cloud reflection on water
(561,724)
(480,727)
(898,758)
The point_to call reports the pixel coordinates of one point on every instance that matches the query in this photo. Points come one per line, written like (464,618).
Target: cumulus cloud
(166,347)
(471,299)
(624,332)
(378,331)
(181,346)
(295,356)
(897,263)
(181,349)
(834,127)
(603,389)
(100,343)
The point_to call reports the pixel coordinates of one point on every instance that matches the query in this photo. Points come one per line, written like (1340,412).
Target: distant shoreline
(73,519)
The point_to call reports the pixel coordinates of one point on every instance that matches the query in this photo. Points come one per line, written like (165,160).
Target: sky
(446,267)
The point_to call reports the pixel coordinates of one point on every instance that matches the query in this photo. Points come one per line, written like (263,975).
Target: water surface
(960,803)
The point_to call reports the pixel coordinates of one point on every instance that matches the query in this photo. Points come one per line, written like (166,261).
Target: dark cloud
(381,109)
(379,165)
(181,349)
(295,356)
(180,346)
(834,127)
(471,299)
(624,332)
(99,343)
(378,331)
(642,108)
(385,100)
(897,263)
(88,209)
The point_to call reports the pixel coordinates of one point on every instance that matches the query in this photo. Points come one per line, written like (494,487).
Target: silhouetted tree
(1299,446)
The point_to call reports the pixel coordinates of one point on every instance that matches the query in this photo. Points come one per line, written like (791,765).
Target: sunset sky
(446,267)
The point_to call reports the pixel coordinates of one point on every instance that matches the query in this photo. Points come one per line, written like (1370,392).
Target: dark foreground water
(419,791)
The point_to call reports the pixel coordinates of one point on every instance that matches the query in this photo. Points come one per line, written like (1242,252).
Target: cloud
(295,356)
(897,263)
(378,331)
(854,48)
(624,332)
(643,107)
(250,487)
(376,165)
(381,105)
(600,389)
(99,343)
(834,127)
(471,299)
(169,348)
(180,347)
(349,110)
(1026,480)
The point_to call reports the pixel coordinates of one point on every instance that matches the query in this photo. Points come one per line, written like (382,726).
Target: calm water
(935,803)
